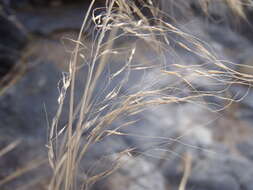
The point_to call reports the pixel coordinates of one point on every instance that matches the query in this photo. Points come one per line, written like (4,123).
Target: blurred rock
(245,149)
(45,21)
(135,174)
(212,169)
(11,37)
(12,40)
(24,106)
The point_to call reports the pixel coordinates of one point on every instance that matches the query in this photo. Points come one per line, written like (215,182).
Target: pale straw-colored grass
(117,20)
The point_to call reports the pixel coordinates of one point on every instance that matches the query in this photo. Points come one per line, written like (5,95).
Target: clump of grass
(90,121)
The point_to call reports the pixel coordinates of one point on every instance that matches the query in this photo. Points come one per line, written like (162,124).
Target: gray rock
(135,174)
(245,149)
(22,108)
(45,21)
(12,40)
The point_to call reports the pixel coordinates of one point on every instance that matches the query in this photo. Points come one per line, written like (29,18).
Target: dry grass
(9,147)
(30,166)
(187,171)
(120,19)
(236,6)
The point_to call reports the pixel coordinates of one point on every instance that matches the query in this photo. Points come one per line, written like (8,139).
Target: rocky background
(216,146)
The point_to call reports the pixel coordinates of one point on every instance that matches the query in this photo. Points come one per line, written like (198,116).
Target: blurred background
(215,151)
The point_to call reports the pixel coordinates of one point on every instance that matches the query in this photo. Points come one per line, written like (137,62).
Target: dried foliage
(92,117)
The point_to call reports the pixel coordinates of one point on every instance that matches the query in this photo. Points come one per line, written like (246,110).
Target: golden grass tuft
(120,19)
